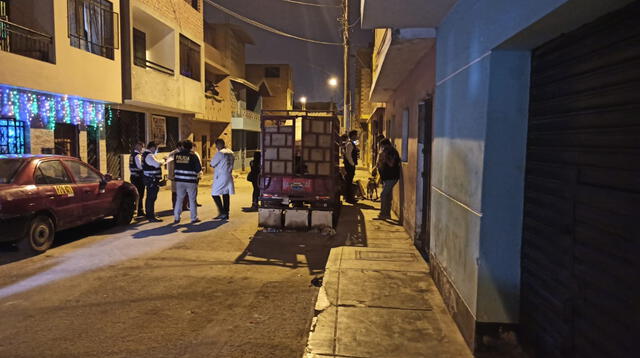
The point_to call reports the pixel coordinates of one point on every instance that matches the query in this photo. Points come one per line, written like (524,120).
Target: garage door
(581,250)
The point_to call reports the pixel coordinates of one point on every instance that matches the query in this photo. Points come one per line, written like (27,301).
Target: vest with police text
(186,167)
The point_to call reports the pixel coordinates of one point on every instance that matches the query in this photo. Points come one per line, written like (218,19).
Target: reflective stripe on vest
(149,170)
(133,168)
(185,169)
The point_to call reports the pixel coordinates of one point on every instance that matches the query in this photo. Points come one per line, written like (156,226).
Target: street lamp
(333,83)
(303,101)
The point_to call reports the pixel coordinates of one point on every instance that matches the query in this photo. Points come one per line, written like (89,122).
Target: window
(12,136)
(92,26)
(82,173)
(8,169)
(405,135)
(193,3)
(139,48)
(51,172)
(189,58)
(272,72)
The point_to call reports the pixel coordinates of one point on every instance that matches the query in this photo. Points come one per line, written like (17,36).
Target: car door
(61,196)
(97,201)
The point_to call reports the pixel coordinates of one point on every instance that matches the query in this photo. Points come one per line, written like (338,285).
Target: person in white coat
(222,187)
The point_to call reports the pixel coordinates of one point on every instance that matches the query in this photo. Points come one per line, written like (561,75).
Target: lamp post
(303,102)
(333,84)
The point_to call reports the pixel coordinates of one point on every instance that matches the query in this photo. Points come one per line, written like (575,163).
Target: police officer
(152,171)
(135,168)
(187,168)
(350,162)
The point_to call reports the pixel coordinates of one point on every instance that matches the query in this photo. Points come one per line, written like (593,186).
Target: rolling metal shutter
(581,238)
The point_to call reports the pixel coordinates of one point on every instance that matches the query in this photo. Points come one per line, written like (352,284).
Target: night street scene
(319,178)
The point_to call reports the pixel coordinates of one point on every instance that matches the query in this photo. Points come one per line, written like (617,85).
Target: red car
(42,194)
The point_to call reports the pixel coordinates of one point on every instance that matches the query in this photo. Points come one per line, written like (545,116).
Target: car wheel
(39,235)
(125,211)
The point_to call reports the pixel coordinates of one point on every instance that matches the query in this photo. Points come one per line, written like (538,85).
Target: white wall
(76,72)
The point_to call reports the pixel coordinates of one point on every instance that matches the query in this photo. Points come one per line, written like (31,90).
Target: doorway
(93,144)
(423,197)
(65,137)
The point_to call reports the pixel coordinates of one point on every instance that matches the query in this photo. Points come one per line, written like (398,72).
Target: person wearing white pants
(187,168)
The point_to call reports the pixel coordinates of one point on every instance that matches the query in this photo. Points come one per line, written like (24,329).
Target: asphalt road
(156,290)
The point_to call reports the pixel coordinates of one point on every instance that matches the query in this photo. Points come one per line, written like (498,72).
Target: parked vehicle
(300,181)
(42,194)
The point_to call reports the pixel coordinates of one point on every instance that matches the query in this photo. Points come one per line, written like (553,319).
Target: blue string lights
(27,106)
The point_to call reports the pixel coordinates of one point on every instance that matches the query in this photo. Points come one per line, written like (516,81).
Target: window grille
(92,26)
(12,136)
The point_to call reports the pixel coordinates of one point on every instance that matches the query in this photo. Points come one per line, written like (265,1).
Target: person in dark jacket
(254,178)
(136,178)
(389,169)
(350,159)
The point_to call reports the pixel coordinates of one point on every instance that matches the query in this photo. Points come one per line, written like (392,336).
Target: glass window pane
(82,173)
(53,172)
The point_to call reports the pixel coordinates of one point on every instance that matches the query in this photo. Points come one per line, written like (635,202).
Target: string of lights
(49,109)
(267,27)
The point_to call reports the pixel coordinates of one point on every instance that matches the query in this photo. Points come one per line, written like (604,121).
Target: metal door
(581,242)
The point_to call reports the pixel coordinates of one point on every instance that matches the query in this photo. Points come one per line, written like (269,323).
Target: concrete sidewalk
(378,298)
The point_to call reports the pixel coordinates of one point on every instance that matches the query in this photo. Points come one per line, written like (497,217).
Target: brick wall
(41,138)
(187,20)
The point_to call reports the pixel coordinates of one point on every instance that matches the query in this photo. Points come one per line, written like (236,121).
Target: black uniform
(152,177)
(351,171)
(136,179)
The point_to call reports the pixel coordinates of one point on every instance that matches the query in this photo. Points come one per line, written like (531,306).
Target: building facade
(277,79)
(162,77)
(226,87)
(529,195)
(60,69)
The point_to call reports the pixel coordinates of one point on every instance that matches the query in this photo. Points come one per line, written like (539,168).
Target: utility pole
(345,38)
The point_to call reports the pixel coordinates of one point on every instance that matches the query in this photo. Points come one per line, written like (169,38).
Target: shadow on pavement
(9,253)
(283,249)
(309,249)
(204,226)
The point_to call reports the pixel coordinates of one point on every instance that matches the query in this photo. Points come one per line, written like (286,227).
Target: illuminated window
(12,140)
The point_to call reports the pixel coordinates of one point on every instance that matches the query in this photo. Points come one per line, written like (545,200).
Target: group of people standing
(387,167)
(184,167)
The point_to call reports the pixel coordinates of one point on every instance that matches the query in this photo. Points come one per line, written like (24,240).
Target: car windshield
(8,169)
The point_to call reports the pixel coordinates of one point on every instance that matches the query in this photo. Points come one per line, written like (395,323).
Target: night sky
(312,63)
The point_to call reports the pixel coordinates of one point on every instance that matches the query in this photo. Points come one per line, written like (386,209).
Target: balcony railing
(143,62)
(24,41)
(245,113)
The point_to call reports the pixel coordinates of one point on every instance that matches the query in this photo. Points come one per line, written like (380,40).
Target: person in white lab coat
(222,187)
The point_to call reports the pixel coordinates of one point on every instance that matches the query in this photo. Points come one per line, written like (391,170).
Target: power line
(310,4)
(267,27)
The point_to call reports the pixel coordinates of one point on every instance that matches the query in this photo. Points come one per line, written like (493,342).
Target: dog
(372,187)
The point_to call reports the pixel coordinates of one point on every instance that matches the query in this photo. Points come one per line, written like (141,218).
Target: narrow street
(158,290)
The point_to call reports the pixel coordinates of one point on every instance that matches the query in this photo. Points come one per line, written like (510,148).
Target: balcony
(25,41)
(403,13)
(395,54)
